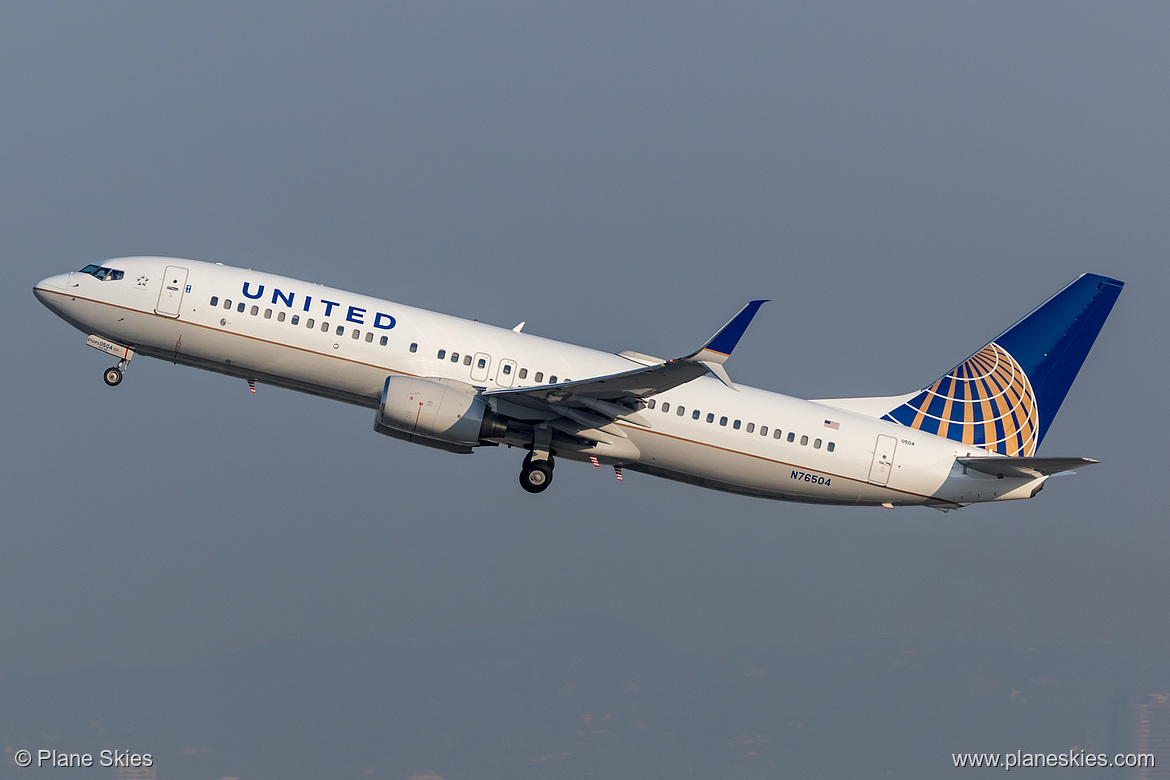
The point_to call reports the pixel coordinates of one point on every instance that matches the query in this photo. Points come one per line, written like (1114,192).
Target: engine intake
(449,415)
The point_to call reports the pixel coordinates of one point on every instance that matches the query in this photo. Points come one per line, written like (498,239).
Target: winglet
(720,346)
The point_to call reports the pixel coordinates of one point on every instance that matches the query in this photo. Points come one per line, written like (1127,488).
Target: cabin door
(170,297)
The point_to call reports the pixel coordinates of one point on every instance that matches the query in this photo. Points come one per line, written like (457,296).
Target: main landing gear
(113,375)
(537,472)
(536,475)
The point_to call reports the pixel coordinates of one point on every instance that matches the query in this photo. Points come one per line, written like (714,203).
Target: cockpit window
(104,274)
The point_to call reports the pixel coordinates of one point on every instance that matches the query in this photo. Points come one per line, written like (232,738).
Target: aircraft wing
(1023,467)
(597,401)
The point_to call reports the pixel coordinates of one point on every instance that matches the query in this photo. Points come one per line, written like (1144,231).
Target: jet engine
(436,412)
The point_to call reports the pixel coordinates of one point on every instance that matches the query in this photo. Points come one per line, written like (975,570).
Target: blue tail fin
(1005,396)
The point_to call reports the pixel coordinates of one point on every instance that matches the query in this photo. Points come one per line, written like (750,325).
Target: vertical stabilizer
(1005,396)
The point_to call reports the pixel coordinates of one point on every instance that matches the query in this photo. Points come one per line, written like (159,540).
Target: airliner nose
(52,284)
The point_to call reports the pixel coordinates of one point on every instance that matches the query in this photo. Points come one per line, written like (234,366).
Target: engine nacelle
(444,414)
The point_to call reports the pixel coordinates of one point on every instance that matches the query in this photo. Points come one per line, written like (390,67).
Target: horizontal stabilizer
(1020,467)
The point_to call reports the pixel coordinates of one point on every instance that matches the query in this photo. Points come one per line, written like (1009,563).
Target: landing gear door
(883,460)
(170,297)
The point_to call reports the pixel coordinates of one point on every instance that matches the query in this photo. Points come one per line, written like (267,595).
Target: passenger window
(442,354)
(268,314)
(735,425)
(467,360)
(777,434)
(710,417)
(832,446)
(369,338)
(539,377)
(817,444)
(413,347)
(481,363)
(666,406)
(341,330)
(454,357)
(296,319)
(309,323)
(524,373)
(803,441)
(681,411)
(280,317)
(751,427)
(723,421)
(791,436)
(215,300)
(507,368)
(763,430)
(695,414)
(650,404)
(255,311)
(386,340)
(240,308)
(552,380)
(227,304)
(357,334)
(324,327)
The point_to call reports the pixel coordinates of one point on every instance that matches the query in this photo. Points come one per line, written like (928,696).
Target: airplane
(971,436)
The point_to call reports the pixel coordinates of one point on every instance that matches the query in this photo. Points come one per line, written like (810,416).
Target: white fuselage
(343,345)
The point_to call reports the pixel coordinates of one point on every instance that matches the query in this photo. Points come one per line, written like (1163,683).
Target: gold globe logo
(987,401)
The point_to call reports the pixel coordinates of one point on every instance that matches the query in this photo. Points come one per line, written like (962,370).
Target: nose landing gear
(113,375)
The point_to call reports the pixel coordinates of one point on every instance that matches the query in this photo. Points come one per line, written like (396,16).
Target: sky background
(903,180)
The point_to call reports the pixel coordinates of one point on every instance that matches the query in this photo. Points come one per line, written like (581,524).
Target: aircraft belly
(754,474)
(288,366)
(237,354)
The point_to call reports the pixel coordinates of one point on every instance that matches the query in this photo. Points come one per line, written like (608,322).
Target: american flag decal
(834,425)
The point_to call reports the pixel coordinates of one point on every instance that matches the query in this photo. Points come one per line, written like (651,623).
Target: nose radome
(49,285)
(55,283)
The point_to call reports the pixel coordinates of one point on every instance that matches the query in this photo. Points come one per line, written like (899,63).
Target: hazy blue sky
(904,180)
